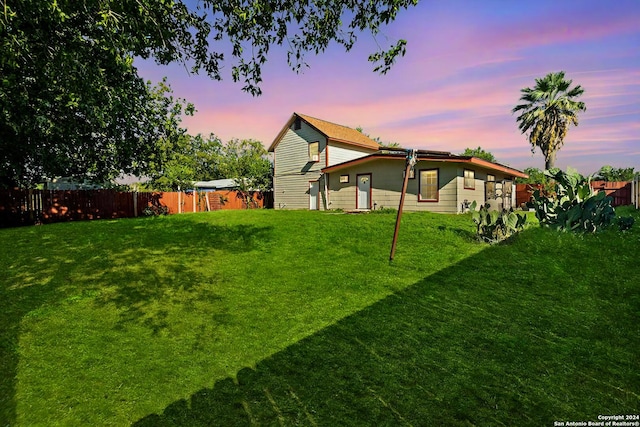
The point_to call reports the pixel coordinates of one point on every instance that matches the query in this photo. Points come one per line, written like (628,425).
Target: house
(69,183)
(215,185)
(321,165)
(305,146)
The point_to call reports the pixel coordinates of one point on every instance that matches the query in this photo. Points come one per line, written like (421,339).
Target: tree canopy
(547,111)
(383,144)
(195,158)
(191,158)
(609,173)
(72,102)
(536,176)
(246,162)
(479,153)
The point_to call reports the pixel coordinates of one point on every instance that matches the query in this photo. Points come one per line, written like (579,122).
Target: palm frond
(547,110)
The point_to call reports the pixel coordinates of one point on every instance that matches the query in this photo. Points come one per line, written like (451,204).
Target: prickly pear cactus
(573,205)
(493,226)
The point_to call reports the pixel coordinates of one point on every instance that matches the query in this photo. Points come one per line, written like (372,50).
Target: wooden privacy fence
(24,207)
(623,193)
(619,191)
(524,192)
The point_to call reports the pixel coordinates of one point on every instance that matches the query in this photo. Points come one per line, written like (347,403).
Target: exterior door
(363,198)
(314,187)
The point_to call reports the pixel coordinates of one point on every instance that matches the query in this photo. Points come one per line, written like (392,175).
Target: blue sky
(466,62)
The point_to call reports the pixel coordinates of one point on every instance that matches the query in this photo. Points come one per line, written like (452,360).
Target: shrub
(572,205)
(494,226)
(625,222)
(155,210)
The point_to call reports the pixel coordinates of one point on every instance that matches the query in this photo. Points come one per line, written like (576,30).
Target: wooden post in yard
(30,205)
(179,199)
(411,160)
(135,204)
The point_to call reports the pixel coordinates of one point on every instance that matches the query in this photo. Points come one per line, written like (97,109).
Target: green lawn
(286,318)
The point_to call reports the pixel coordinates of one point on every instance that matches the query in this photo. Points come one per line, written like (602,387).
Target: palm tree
(548,110)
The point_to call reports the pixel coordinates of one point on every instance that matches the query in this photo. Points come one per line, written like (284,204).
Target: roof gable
(332,131)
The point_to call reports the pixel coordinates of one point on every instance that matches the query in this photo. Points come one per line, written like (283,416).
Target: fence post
(135,204)
(30,205)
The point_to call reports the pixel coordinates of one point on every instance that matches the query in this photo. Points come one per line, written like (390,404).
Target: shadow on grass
(83,270)
(473,344)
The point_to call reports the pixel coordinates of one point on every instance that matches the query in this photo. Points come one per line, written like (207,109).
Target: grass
(267,317)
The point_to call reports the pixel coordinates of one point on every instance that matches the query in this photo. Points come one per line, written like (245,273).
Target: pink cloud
(456,86)
(564,24)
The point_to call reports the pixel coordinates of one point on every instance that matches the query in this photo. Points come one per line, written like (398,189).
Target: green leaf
(584,191)
(493,217)
(512,221)
(475,216)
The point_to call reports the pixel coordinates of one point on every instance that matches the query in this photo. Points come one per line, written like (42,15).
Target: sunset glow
(466,62)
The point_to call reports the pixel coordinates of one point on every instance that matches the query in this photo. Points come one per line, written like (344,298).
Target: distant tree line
(195,158)
(609,173)
(383,144)
(479,153)
(605,173)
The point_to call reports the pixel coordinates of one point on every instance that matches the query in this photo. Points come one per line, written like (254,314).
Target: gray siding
(477,195)
(386,183)
(292,169)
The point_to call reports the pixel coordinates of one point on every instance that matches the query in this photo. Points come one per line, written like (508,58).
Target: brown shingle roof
(340,133)
(332,131)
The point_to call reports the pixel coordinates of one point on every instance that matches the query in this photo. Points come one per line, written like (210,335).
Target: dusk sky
(466,62)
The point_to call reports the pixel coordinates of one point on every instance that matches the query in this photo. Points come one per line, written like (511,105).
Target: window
(344,178)
(313,152)
(507,191)
(297,124)
(428,185)
(507,188)
(490,187)
(469,179)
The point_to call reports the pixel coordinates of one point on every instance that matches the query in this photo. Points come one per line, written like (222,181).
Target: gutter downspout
(326,192)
